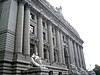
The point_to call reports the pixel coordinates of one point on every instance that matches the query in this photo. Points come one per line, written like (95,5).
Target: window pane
(32,16)
(43,23)
(53,41)
(45,54)
(31,29)
(31,49)
(44,36)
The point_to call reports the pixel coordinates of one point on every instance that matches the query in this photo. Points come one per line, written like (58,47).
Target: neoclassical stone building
(30,27)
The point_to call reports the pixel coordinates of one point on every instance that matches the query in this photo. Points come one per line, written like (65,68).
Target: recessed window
(63,37)
(43,23)
(53,41)
(32,16)
(45,54)
(55,55)
(44,36)
(52,30)
(31,49)
(31,29)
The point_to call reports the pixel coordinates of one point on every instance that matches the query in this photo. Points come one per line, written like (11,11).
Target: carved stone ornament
(77,71)
(82,71)
(74,70)
(36,61)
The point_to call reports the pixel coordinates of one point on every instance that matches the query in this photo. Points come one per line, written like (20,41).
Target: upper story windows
(53,41)
(63,37)
(44,36)
(32,29)
(53,30)
(32,16)
(43,23)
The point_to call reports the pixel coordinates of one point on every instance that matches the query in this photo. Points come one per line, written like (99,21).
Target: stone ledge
(36,71)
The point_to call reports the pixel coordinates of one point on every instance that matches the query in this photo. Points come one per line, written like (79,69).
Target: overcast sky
(84,16)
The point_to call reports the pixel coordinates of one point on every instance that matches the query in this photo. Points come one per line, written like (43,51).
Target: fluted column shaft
(83,60)
(19,29)
(71,51)
(62,48)
(79,56)
(58,45)
(76,54)
(26,50)
(51,49)
(40,35)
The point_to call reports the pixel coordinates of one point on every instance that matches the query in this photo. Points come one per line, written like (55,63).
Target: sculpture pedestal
(36,71)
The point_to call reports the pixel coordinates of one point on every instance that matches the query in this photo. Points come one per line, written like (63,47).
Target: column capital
(40,13)
(21,2)
(57,28)
(27,5)
(49,22)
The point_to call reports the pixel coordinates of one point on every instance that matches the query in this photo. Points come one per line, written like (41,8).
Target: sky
(84,16)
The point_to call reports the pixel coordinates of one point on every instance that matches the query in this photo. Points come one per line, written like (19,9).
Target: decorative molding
(7,31)
(61,21)
(22,1)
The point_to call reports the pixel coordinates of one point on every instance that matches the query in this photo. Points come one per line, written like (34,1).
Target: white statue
(74,69)
(92,72)
(36,61)
(82,71)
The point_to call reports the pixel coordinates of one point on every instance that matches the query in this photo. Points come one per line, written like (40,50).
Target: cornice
(59,16)
(57,19)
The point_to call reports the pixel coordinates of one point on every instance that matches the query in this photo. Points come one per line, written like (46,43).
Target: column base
(20,63)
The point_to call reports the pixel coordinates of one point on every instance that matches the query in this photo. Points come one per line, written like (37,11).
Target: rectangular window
(32,29)
(63,38)
(52,30)
(32,16)
(31,49)
(44,36)
(53,41)
(45,54)
(43,23)
(55,55)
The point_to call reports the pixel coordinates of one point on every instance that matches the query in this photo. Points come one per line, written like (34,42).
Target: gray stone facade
(35,27)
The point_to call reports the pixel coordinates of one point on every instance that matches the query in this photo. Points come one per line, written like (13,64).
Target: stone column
(26,50)
(40,36)
(79,56)
(58,43)
(83,60)
(76,54)
(19,29)
(62,48)
(50,40)
(71,51)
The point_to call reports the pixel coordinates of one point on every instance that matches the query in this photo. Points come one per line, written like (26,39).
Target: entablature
(52,15)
